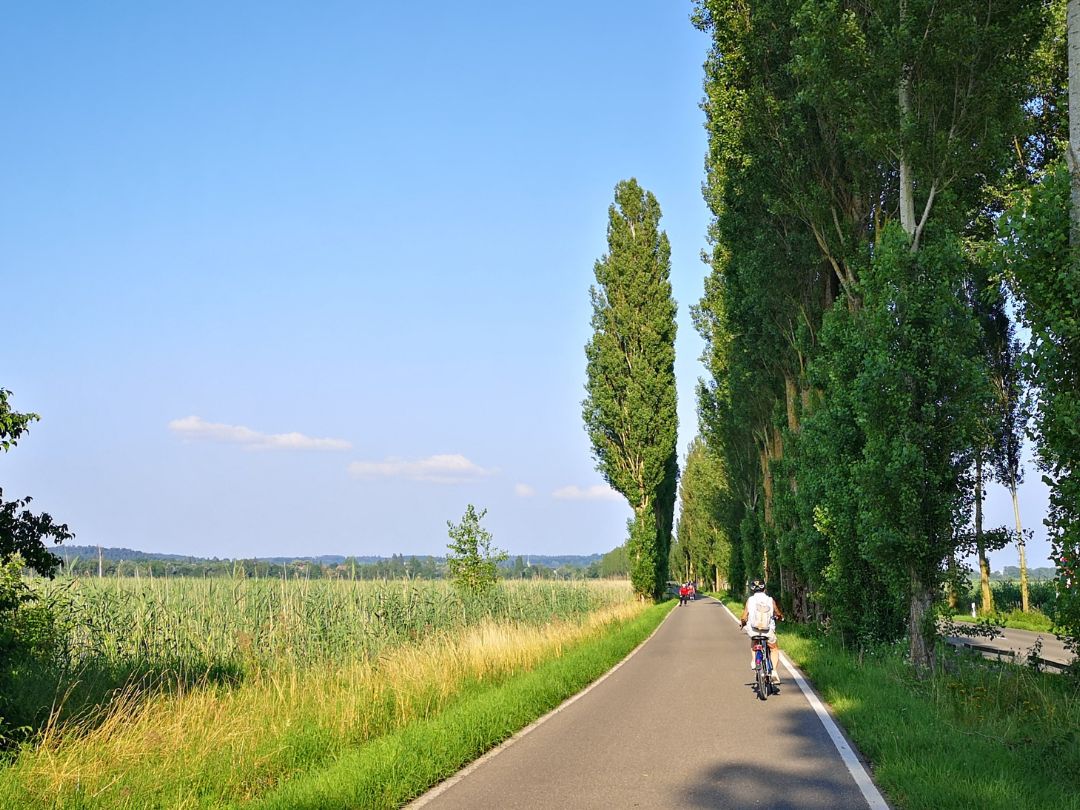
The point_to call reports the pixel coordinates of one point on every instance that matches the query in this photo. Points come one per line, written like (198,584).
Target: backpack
(761,616)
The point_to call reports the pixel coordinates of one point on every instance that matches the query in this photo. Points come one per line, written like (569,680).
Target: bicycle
(763,666)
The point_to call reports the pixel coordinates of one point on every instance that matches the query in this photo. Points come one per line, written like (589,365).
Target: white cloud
(597,492)
(524,490)
(441,469)
(194,427)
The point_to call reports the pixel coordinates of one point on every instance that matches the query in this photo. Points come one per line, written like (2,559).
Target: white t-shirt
(752,603)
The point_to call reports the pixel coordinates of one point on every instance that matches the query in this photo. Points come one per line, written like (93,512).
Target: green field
(202,692)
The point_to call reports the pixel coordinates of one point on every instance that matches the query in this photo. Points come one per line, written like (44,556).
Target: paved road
(1019,642)
(678,726)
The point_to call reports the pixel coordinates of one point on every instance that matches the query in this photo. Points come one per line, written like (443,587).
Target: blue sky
(288,279)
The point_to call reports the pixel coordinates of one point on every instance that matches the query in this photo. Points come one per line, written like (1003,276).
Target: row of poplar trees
(890,192)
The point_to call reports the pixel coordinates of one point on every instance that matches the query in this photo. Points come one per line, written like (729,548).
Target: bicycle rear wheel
(762,681)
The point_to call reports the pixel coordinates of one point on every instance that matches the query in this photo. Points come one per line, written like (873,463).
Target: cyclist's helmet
(757,586)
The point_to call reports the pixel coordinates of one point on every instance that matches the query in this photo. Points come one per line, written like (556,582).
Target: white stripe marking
(869,790)
(449,782)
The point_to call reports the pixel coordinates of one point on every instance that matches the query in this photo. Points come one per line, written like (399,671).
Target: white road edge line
(450,781)
(869,790)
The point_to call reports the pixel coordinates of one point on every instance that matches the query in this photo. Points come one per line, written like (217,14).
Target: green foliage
(616,563)
(703,550)
(919,394)
(28,627)
(12,424)
(882,461)
(753,548)
(1045,276)
(843,371)
(21,531)
(470,559)
(30,640)
(1006,593)
(630,407)
(27,632)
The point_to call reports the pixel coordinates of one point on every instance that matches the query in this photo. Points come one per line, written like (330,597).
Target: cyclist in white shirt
(759,618)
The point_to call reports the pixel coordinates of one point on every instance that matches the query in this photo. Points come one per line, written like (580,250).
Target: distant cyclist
(759,618)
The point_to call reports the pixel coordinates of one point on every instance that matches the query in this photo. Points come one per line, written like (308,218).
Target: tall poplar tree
(630,407)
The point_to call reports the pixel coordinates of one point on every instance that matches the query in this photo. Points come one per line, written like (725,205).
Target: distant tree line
(397,566)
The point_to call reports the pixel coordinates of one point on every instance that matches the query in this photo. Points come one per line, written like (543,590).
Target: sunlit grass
(976,734)
(243,625)
(207,744)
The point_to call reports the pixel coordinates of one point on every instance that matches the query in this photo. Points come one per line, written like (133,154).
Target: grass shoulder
(977,734)
(396,767)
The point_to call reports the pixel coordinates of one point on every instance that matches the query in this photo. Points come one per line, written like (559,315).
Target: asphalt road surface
(1020,642)
(677,725)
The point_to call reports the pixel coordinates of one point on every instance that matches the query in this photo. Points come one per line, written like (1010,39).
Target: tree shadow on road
(779,756)
(741,785)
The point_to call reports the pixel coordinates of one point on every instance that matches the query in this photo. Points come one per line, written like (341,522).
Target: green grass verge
(389,771)
(978,734)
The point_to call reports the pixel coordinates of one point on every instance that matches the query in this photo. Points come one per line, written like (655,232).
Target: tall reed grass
(210,745)
(244,625)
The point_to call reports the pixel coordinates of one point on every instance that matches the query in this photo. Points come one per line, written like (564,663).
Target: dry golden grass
(215,744)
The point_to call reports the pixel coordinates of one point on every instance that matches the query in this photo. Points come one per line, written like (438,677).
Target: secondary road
(1019,642)
(677,725)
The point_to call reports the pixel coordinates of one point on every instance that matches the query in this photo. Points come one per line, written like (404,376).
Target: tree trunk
(984,564)
(1025,603)
(920,632)
(907,182)
(907,185)
(954,600)
(790,395)
(767,484)
(1073,152)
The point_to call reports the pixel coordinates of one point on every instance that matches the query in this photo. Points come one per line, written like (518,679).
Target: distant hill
(123,554)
